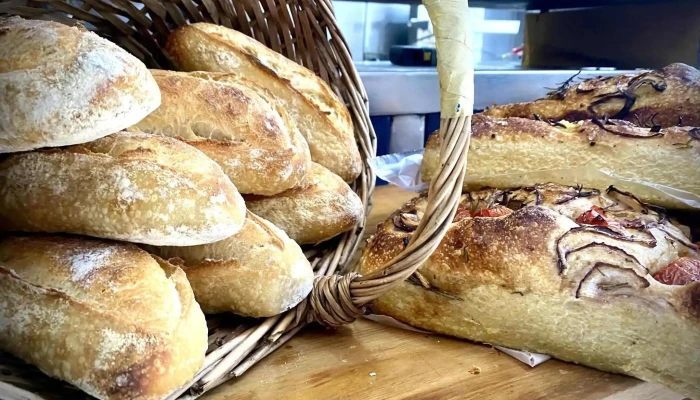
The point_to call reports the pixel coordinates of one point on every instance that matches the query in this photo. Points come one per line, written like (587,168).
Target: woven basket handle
(339,300)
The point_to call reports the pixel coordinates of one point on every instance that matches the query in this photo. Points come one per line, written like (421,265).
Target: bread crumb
(474,370)
(344,360)
(372,374)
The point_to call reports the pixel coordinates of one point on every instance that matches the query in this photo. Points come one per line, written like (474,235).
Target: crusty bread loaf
(321,207)
(64,85)
(665,98)
(321,116)
(127,186)
(259,272)
(507,152)
(104,316)
(236,123)
(536,280)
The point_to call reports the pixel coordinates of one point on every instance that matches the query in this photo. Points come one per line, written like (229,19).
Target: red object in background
(680,272)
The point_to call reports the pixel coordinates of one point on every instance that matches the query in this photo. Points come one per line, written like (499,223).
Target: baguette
(64,85)
(236,123)
(127,186)
(321,207)
(509,152)
(259,272)
(321,116)
(543,276)
(103,316)
(664,98)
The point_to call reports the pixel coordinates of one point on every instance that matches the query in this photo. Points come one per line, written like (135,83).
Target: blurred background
(522,49)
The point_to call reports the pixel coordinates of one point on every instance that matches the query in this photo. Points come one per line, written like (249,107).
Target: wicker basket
(304,31)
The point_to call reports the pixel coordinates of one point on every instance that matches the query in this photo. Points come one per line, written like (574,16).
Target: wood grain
(370,361)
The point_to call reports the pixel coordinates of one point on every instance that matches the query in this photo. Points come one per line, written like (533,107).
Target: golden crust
(126,186)
(322,206)
(536,280)
(667,98)
(514,151)
(259,272)
(64,85)
(237,123)
(322,117)
(104,316)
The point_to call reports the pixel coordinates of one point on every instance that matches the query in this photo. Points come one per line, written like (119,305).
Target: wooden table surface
(367,361)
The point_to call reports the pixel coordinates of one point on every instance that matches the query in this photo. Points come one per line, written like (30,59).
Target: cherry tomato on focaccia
(594,216)
(680,272)
(462,213)
(497,211)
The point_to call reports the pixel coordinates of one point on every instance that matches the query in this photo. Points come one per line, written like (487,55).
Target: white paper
(531,359)
(401,169)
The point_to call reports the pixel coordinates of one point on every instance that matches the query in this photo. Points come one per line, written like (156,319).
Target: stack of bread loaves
(122,200)
(543,257)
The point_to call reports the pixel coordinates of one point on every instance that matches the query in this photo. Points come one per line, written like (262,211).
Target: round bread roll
(106,317)
(64,85)
(259,272)
(321,207)
(127,186)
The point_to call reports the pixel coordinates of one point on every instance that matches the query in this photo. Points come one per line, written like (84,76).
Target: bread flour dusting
(83,263)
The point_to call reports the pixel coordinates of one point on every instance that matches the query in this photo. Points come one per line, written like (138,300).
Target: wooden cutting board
(369,361)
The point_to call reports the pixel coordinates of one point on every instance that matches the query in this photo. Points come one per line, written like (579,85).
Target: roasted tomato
(594,216)
(496,211)
(680,272)
(462,213)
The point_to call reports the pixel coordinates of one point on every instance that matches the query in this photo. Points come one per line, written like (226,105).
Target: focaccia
(664,98)
(565,271)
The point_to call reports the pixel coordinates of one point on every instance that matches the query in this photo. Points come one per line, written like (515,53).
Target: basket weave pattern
(304,31)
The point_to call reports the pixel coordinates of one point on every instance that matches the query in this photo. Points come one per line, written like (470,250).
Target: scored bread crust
(64,85)
(106,317)
(237,123)
(321,116)
(506,152)
(127,186)
(321,207)
(668,97)
(258,272)
(536,280)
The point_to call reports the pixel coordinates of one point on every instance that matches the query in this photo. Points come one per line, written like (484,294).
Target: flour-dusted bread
(321,207)
(565,271)
(107,317)
(62,85)
(235,122)
(664,98)
(259,272)
(127,186)
(321,116)
(507,152)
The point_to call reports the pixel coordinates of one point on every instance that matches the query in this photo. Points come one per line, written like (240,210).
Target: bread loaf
(664,98)
(63,85)
(104,316)
(127,186)
(321,207)
(542,276)
(321,116)
(509,152)
(259,272)
(236,123)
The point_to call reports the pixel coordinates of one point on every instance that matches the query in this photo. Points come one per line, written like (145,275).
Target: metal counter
(394,90)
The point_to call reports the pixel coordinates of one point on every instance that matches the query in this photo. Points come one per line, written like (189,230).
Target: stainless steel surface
(396,90)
